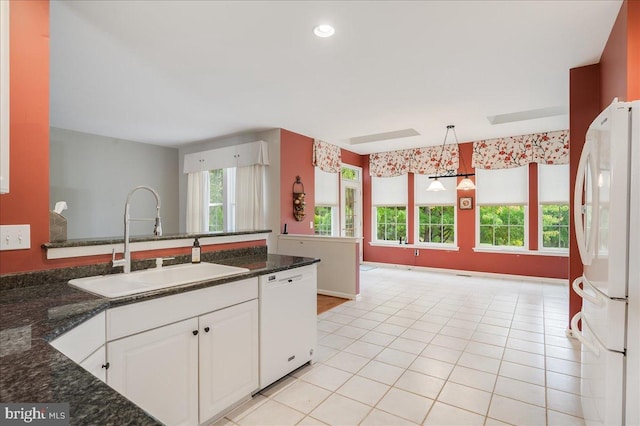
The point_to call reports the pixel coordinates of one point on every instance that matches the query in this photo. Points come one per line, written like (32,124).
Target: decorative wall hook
(298,199)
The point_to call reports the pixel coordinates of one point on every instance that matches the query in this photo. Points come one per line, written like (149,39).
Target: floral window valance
(516,151)
(391,163)
(326,156)
(434,159)
(424,161)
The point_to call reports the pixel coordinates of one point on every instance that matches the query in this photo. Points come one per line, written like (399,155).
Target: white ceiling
(175,72)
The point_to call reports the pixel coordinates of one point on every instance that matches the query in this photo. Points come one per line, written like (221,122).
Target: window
(389,200)
(502,198)
(350,173)
(351,201)
(436,211)
(436,224)
(325,220)
(502,225)
(391,223)
(555,226)
(553,196)
(221,199)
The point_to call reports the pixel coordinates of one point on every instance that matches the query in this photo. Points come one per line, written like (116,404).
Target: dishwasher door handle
(291,279)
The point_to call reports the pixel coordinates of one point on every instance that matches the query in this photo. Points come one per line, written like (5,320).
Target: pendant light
(465,184)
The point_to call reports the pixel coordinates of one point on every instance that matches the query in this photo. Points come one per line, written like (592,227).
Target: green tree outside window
(502,225)
(436,224)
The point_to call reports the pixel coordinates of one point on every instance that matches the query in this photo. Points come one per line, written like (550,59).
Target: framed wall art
(465,203)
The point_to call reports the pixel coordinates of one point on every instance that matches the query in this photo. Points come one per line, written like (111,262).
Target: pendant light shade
(436,185)
(466,184)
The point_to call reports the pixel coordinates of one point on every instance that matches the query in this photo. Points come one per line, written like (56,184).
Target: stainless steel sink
(118,285)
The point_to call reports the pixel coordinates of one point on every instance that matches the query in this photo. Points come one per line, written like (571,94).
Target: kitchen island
(32,371)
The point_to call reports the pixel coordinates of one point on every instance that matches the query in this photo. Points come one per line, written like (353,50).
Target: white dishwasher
(288,322)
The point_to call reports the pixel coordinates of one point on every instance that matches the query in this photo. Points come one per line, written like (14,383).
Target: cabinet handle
(195,332)
(105,366)
(206,329)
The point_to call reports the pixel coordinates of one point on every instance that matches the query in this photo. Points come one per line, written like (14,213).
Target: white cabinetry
(188,357)
(84,344)
(158,371)
(228,357)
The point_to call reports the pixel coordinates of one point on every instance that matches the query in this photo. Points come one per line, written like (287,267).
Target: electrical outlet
(15,237)
(417,252)
(310,225)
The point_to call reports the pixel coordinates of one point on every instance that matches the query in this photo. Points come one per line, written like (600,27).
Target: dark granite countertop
(33,371)
(115,240)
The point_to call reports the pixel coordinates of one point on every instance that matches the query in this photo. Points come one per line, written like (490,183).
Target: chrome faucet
(157,229)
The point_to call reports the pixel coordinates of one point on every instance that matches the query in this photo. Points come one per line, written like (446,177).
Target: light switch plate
(15,237)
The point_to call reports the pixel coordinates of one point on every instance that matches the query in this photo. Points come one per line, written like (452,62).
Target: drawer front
(137,317)
(81,341)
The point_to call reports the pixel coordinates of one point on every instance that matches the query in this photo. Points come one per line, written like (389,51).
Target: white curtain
(198,202)
(250,197)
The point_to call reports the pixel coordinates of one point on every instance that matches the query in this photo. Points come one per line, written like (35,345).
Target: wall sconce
(298,200)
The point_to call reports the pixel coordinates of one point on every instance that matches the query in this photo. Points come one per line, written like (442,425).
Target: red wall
(584,106)
(296,152)
(465,258)
(28,198)
(613,62)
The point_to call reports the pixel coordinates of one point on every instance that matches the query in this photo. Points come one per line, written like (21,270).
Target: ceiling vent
(528,115)
(377,137)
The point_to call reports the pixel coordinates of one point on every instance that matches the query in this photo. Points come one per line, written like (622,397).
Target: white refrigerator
(607,224)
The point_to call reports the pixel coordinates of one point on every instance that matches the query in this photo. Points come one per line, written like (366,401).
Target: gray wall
(94,174)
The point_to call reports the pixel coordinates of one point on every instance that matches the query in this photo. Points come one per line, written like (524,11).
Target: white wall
(94,174)
(339,267)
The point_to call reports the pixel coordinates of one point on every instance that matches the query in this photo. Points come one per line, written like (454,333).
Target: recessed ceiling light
(324,30)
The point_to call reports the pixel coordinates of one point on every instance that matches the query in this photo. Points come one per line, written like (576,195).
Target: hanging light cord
(464,164)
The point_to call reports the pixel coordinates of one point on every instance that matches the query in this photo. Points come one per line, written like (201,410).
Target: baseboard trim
(559,281)
(339,294)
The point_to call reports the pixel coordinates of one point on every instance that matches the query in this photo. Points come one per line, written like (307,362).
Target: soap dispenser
(195,252)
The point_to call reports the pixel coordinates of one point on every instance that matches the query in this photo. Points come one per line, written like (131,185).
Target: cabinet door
(96,363)
(158,370)
(228,357)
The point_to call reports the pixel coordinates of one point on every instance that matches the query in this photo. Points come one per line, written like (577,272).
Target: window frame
(374,223)
(503,248)
(334,220)
(541,247)
(392,193)
(416,230)
(228,200)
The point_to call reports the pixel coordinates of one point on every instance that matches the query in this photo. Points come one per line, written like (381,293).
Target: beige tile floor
(433,349)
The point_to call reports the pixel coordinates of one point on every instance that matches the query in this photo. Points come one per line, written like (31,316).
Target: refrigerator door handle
(593,297)
(579,210)
(575,332)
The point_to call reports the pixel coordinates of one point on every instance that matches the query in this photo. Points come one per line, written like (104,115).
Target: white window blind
(553,184)
(326,188)
(503,186)
(435,198)
(389,191)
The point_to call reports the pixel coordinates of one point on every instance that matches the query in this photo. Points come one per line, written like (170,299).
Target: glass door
(351,203)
